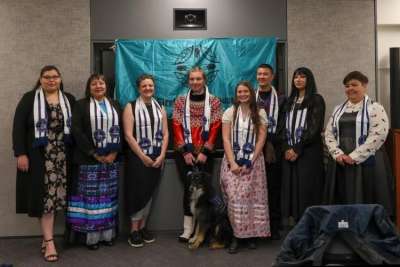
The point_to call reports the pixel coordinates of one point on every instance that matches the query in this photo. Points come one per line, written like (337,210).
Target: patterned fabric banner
(225,61)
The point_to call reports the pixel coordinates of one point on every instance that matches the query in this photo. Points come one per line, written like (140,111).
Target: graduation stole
(272,110)
(41,121)
(297,119)
(243,139)
(149,138)
(362,121)
(187,133)
(105,127)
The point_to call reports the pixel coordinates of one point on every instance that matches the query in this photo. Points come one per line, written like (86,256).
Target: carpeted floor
(166,251)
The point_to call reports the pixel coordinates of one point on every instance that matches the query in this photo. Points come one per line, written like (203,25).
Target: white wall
(332,38)
(388,35)
(34,34)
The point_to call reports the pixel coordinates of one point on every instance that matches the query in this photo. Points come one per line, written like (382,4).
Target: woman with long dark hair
(302,167)
(243,183)
(41,143)
(93,200)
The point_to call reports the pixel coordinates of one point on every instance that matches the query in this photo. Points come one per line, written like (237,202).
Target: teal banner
(226,61)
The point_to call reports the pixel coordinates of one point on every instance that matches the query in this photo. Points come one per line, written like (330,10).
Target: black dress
(302,180)
(30,187)
(140,181)
(367,183)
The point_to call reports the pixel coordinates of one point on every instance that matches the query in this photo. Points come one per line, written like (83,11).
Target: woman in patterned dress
(93,197)
(243,181)
(41,138)
(359,171)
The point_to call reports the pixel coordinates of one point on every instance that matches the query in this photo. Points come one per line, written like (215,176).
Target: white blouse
(377,133)
(228,116)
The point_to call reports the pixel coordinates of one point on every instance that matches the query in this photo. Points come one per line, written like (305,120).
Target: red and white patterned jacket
(196,115)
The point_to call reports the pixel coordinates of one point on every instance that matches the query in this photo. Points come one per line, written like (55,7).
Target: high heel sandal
(51,257)
(43,247)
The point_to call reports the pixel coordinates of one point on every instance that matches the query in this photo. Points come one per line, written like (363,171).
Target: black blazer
(30,185)
(82,132)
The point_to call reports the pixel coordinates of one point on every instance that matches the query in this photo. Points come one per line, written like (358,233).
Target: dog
(210,218)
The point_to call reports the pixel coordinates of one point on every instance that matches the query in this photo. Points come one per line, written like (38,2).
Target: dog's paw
(216,245)
(192,240)
(194,245)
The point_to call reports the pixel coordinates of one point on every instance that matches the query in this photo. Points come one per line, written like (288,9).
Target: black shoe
(251,243)
(108,243)
(135,239)
(93,246)
(183,239)
(147,236)
(233,247)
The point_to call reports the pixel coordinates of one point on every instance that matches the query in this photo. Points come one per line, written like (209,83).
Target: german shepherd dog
(210,218)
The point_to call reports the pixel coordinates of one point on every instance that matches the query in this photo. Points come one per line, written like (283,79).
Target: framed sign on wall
(190,19)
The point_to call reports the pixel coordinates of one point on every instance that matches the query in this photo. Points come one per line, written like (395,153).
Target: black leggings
(183,169)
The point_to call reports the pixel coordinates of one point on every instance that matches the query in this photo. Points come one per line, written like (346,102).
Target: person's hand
(147,161)
(201,158)
(339,159)
(294,156)
(348,160)
(158,162)
(291,155)
(110,158)
(23,163)
(100,159)
(235,168)
(246,169)
(189,159)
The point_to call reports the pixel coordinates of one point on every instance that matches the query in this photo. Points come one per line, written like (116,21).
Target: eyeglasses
(51,77)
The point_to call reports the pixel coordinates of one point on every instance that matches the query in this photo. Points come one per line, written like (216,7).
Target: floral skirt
(247,200)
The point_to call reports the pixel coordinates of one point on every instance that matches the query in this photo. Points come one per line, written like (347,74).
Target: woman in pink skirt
(243,177)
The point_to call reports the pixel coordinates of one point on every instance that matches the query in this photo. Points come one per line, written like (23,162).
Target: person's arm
(215,124)
(261,138)
(112,155)
(315,124)
(331,142)
(20,131)
(160,159)
(226,138)
(177,127)
(82,141)
(377,133)
(128,123)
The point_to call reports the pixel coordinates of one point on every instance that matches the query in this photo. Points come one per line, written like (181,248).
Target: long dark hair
(310,89)
(46,69)
(255,117)
(95,76)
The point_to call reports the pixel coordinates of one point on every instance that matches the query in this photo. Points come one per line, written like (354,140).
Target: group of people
(68,154)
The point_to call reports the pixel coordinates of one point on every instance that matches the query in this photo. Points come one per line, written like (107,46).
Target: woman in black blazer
(41,143)
(93,197)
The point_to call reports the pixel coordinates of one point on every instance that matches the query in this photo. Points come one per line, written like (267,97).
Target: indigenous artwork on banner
(225,61)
